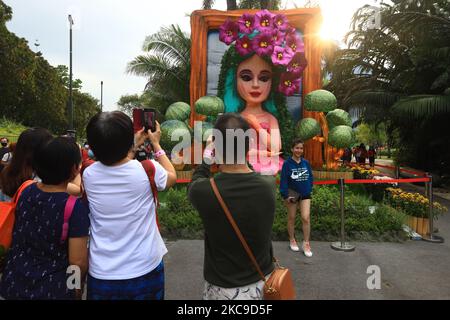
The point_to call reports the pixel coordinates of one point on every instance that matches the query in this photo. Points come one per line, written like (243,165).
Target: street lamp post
(101,96)
(71,131)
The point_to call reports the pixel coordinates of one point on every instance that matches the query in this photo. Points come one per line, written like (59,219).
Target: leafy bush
(10,129)
(178,219)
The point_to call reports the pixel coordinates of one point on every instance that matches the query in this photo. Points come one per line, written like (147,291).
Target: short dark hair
(296,141)
(232,121)
(110,136)
(55,160)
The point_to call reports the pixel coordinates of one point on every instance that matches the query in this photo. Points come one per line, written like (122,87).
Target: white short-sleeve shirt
(125,241)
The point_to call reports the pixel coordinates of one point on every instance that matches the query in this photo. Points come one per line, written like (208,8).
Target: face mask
(91,154)
(4,144)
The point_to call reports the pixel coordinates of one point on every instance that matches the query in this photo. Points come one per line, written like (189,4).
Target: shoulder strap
(22,187)
(236,228)
(150,170)
(68,210)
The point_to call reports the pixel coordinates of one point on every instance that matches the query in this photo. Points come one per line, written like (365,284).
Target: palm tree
(166,65)
(399,74)
(207,4)
(404,64)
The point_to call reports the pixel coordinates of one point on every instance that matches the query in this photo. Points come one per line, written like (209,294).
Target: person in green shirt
(250,197)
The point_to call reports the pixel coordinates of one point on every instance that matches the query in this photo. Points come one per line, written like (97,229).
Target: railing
(426,178)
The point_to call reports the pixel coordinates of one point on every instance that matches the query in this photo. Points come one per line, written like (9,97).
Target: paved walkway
(409,270)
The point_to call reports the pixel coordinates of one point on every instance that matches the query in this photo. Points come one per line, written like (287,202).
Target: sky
(107,34)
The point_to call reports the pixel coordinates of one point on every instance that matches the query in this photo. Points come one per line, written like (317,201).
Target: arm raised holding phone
(160,155)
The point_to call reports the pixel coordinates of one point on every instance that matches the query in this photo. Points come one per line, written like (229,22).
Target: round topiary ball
(340,137)
(209,106)
(174,132)
(178,111)
(203,131)
(321,101)
(307,128)
(338,117)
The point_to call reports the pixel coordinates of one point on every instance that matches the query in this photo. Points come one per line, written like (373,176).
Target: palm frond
(171,43)
(152,67)
(419,106)
(207,4)
(167,50)
(374,98)
(413,21)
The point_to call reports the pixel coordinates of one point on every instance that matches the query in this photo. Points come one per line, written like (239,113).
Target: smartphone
(144,118)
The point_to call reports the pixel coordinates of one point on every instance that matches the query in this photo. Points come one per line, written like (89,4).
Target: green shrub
(10,129)
(178,219)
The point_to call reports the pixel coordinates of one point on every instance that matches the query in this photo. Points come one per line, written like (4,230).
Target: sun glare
(337,16)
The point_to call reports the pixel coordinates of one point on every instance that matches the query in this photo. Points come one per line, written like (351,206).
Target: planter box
(332,175)
(184,174)
(423,226)
(419,225)
(412,223)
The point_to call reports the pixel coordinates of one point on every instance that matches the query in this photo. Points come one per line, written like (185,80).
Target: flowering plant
(269,35)
(375,190)
(363,173)
(413,204)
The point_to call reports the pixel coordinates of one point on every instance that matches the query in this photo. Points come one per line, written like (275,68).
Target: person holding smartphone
(295,187)
(126,249)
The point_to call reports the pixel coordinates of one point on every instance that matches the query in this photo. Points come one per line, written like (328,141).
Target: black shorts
(298,197)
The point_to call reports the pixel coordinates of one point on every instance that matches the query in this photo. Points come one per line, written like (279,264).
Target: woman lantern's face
(254,80)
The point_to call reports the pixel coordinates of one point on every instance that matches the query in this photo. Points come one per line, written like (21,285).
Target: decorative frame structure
(308,20)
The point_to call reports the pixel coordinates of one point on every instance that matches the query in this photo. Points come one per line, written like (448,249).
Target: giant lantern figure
(280,50)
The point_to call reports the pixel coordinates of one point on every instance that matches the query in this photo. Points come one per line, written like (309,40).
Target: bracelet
(159,153)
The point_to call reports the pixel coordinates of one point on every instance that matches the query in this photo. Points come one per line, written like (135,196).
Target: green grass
(10,129)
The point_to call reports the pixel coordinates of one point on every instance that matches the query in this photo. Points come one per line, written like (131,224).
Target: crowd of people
(361,154)
(110,231)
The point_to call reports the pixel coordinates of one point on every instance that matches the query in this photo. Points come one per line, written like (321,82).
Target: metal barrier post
(397,172)
(430,237)
(342,245)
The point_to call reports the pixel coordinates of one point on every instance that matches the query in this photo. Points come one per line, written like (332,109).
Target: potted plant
(416,206)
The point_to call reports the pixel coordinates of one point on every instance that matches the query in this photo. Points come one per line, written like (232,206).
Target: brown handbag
(279,286)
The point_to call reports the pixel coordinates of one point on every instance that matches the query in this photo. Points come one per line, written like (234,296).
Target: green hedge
(178,219)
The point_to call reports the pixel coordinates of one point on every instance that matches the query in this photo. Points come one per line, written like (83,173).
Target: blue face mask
(91,154)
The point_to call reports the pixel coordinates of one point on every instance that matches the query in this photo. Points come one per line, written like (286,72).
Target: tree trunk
(231,5)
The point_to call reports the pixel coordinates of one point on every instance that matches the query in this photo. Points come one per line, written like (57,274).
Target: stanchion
(430,237)
(342,245)
(397,172)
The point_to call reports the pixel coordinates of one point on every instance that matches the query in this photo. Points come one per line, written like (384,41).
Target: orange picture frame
(308,20)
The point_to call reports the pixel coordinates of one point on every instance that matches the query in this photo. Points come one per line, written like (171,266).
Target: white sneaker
(307,249)
(293,246)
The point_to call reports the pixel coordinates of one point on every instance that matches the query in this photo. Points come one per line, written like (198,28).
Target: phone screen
(138,119)
(149,119)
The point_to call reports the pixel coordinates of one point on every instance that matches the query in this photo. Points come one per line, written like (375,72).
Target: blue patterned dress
(37,262)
